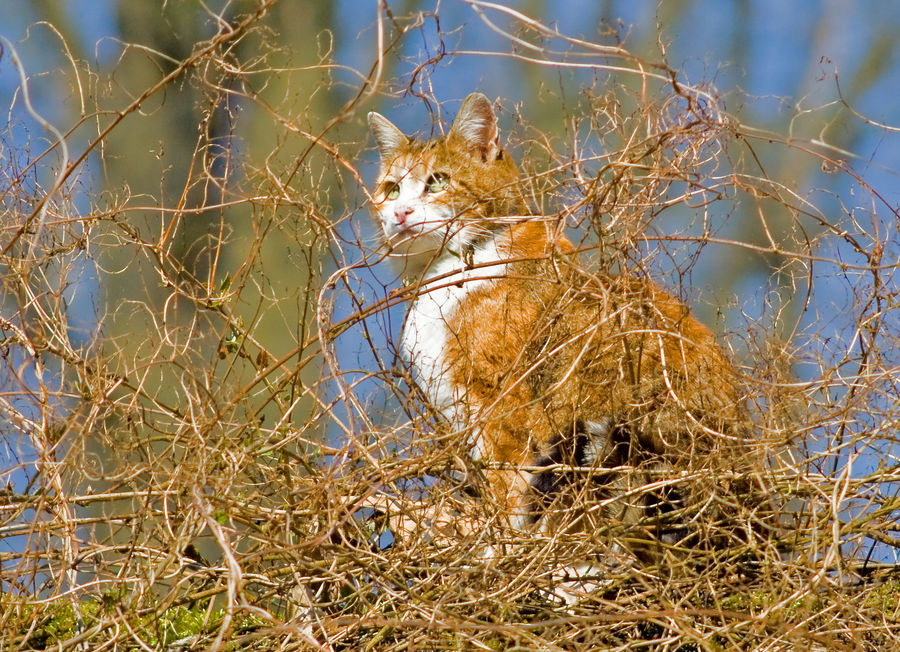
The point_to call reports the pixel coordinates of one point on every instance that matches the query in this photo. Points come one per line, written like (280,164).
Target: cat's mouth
(415,239)
(402,233)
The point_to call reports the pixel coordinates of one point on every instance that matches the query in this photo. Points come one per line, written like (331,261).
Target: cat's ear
(477,125)
(388,137)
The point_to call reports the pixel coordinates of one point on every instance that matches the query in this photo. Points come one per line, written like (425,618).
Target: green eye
(392,191)
(437,182)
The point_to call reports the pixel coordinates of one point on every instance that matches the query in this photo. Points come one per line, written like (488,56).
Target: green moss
(756,601)
(62,620)
(886,600)
(178,623)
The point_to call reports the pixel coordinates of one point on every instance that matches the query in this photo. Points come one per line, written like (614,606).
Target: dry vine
(209,443)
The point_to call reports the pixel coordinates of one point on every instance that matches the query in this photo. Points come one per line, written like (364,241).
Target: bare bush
(210,443)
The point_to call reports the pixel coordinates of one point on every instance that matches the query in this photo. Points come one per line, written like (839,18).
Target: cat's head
(448,193)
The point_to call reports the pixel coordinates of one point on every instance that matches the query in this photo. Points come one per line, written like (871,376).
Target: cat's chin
(412,254)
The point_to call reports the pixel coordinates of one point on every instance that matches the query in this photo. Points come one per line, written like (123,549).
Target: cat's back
(549,345)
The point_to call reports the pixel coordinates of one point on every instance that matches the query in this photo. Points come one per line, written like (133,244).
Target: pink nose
(401,213)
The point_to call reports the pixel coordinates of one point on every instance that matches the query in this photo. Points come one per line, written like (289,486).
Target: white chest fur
(423,344)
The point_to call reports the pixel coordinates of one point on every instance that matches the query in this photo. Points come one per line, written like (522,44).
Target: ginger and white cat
(535,361)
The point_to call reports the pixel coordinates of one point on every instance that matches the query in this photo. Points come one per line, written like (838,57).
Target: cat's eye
(437,182)
(392,190)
